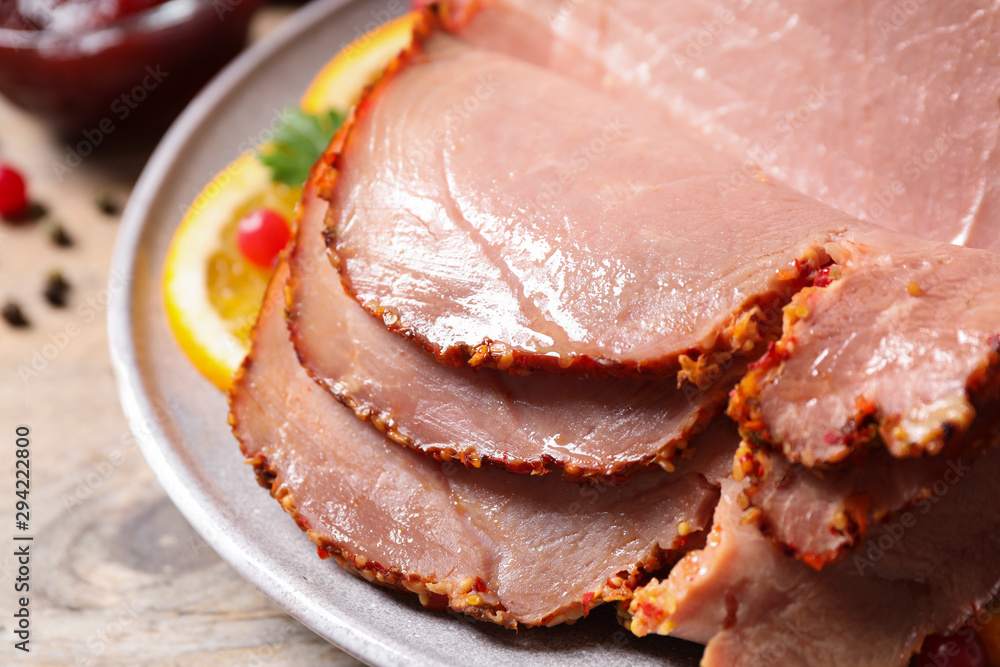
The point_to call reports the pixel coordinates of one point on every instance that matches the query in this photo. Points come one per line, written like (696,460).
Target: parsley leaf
(297,144)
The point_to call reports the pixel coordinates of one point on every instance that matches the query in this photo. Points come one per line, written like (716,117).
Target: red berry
(962,649)
(13,194)
(261,234)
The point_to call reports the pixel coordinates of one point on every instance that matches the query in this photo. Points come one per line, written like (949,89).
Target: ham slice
(820,515)
(600,245)
(901,350)
(925,572)
(590,427)
(512,549)
(884,109)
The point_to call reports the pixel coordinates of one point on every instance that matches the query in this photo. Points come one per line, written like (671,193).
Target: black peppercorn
(13,316)
(56,289)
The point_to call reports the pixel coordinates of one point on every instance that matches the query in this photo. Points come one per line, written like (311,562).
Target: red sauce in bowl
(94,68)
(68,16)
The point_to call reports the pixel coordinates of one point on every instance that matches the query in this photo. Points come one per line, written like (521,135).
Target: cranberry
(962,649)
(261,235)
(13,193)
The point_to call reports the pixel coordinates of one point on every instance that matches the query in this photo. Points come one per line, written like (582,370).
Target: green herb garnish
(298,143)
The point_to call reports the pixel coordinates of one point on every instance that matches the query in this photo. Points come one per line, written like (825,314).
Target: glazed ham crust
(884,379)
(821,516)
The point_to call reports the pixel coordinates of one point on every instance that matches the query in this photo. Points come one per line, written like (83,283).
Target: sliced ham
(885,379)
(901,350)
(925,572)
(820,515)
(519,220)
(885,109)
(482,221)
(477,258)
(590,427)
(513,549)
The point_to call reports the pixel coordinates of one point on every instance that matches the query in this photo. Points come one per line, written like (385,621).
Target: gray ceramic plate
(180,419)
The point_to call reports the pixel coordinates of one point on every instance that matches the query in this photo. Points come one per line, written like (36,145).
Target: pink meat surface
(590,427)
(885,109)
(471,253)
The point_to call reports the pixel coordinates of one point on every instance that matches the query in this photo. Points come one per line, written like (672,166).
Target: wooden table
(117,575)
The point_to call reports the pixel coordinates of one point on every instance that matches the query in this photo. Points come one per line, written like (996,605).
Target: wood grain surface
(118,577)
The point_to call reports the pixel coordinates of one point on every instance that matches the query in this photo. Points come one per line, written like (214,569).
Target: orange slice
(211,293)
